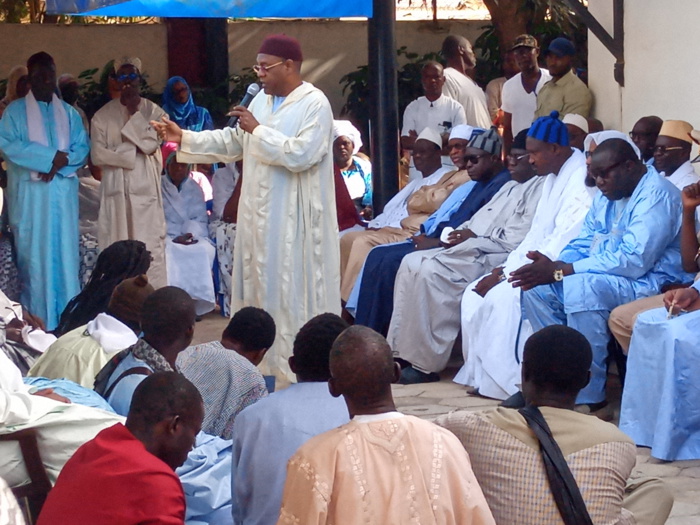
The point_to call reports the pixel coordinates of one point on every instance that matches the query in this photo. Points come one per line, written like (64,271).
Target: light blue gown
(625,251)
(268,433)
(43,217)
(660,401)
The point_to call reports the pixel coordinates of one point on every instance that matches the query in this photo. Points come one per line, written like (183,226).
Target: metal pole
(384,122)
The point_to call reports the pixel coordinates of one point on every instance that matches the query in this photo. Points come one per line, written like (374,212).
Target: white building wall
(662,72)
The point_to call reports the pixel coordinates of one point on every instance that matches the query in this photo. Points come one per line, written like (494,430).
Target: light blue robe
(206,481)
(266,435)
(623,253)
(660,401)
(43,217)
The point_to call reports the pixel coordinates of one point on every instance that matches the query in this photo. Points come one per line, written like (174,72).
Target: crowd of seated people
(527,240)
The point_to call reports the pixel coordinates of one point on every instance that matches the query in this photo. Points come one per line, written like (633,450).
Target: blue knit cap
(550,129)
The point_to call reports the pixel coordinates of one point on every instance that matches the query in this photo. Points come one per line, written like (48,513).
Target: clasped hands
(60,160)
(539,271)
(186,238)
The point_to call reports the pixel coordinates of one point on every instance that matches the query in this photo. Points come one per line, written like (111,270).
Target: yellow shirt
(566,95)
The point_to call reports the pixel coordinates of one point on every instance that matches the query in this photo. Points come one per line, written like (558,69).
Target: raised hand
(167,130)
(691,196)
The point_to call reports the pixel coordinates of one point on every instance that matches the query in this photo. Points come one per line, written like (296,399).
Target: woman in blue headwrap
(179,105)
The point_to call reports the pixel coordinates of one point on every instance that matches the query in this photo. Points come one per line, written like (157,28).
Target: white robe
(473,99)
(491,325)
(430,283)
(286,256)
(189,265)
(61,428)
(128,151)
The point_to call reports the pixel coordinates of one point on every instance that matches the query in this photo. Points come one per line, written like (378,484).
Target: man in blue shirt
(629,247)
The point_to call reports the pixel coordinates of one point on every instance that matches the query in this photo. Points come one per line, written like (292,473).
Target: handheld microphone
(250,93)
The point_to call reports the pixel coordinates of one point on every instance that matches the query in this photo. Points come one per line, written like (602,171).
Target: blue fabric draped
(187,115)
(73,391)
(206,481)
(213,8)
(660,400)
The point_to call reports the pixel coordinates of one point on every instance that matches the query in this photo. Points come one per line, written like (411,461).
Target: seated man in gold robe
(382,466)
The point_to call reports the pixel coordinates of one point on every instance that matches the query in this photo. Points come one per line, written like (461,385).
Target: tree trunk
(510,18)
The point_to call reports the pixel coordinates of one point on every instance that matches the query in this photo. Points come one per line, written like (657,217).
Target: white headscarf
(344,128)
(602,136)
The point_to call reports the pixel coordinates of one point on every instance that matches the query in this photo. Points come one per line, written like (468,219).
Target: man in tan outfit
(506,454)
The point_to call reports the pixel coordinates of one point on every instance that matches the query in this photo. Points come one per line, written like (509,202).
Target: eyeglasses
(264,69)
(599,173)
(637,135)
(514,159)
(474,159)
(124,78)
(662,150)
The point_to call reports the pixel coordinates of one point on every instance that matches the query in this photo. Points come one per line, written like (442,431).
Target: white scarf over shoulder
(37,127)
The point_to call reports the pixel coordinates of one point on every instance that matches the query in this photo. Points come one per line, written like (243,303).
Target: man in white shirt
(519,96)
(460,58)
(433,110)
(672,153)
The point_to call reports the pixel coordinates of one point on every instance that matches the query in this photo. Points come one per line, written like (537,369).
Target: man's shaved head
(456,48)
(362,368)
(167,314)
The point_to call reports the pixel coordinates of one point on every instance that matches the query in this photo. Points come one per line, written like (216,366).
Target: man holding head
(506,454)
(382,466)
(628,248)
(270,431)
(565,92)
(44,143)
(672,153)
(492,332)
(125,475)
(167,322)
(127,150)
(458,53)
(286,257)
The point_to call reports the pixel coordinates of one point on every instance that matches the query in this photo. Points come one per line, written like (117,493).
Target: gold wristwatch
(559,275)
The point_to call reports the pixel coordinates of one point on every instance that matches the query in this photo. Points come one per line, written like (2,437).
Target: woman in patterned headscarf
(179,105)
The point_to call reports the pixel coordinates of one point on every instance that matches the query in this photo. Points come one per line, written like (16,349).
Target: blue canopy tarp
(213,8)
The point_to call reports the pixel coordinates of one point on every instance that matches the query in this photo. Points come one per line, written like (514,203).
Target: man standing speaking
(286,257)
